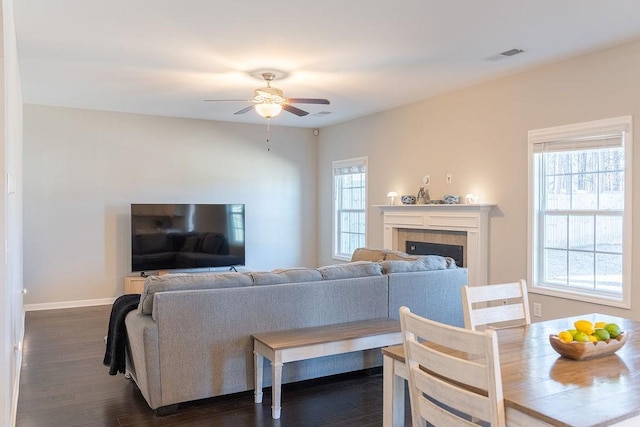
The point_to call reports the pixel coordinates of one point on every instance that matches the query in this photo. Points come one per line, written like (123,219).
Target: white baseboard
(68,304)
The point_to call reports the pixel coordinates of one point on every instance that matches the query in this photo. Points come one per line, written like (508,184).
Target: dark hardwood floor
(64,383)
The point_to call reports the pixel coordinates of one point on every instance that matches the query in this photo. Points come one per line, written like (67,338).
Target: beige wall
(84,168)
(479,135)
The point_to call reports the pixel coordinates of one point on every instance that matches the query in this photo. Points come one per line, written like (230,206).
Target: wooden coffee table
(307,343)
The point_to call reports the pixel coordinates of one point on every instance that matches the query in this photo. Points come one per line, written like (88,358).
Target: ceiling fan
(270,101)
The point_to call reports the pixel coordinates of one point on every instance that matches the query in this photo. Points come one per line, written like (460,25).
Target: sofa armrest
(435,294)
(142,334)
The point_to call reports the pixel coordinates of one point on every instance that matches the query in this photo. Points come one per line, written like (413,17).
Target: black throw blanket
(117,334)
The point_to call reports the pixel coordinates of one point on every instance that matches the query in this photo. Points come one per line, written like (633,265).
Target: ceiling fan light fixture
(268,109)
(269,94)
(270,101)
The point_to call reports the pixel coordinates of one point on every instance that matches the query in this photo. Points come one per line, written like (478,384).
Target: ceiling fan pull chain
(268,134)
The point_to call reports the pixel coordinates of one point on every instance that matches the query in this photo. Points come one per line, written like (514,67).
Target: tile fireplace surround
(460,221)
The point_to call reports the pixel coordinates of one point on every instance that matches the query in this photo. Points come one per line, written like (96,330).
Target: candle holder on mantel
(392,197)
(472,199)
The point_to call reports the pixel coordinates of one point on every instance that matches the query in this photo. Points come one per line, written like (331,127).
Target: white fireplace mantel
(473,219)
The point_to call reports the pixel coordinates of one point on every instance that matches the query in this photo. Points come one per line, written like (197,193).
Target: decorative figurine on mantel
(423,197)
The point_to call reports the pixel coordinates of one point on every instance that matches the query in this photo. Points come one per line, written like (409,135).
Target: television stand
(134,284)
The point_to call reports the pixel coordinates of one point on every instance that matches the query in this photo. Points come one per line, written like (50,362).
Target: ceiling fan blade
(244,110)
(294,110)
(307,101)
(218,100)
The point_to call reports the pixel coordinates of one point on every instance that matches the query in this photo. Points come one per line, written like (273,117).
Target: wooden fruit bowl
(587,350)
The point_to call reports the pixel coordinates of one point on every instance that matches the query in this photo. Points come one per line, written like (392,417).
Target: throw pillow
(263,278)
(399,256)
(350,270)
(366,254)
(290,275)
(300,274)
(424,263)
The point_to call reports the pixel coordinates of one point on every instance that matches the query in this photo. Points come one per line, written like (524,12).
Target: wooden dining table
(542,388)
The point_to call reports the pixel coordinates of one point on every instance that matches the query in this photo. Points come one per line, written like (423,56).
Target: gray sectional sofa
(191,335)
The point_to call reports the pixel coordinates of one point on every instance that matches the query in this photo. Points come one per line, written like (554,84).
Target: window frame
(335,229)
(572,132)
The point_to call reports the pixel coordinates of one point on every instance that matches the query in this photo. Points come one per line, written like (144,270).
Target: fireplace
(442,249)
(459,225)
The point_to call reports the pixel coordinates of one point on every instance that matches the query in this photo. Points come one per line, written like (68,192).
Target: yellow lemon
(600,325)
(565,336)
(613,329)
(592,338)
(584,326)
(581,337)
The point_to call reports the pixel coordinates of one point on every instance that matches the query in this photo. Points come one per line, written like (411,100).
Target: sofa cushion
(183,282)
(261,278)
(423,263)
(212,243)
(350,270)
(300,274)
(285,275)
(190,244)
(367,254)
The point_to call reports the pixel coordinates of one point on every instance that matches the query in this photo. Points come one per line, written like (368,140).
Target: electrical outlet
(448,178)
(537,309)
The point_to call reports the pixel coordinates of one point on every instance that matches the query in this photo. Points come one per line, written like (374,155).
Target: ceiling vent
(504,55)
(511,52)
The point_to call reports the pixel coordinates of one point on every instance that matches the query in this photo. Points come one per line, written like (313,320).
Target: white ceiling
(163,57)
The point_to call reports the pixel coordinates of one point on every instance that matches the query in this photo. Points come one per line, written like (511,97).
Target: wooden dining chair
(454,373)
(494,306)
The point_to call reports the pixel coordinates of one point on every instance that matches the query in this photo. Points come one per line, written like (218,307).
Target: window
(349,206)
(580,211)
(236,215)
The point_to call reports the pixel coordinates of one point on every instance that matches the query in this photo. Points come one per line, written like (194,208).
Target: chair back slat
(462,367)
(497,314)
(485,305)
(454,373)
(445,335)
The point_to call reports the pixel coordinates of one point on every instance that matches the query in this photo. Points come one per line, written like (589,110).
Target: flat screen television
(186,236)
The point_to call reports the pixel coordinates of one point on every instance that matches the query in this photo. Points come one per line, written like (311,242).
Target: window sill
(578,296)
